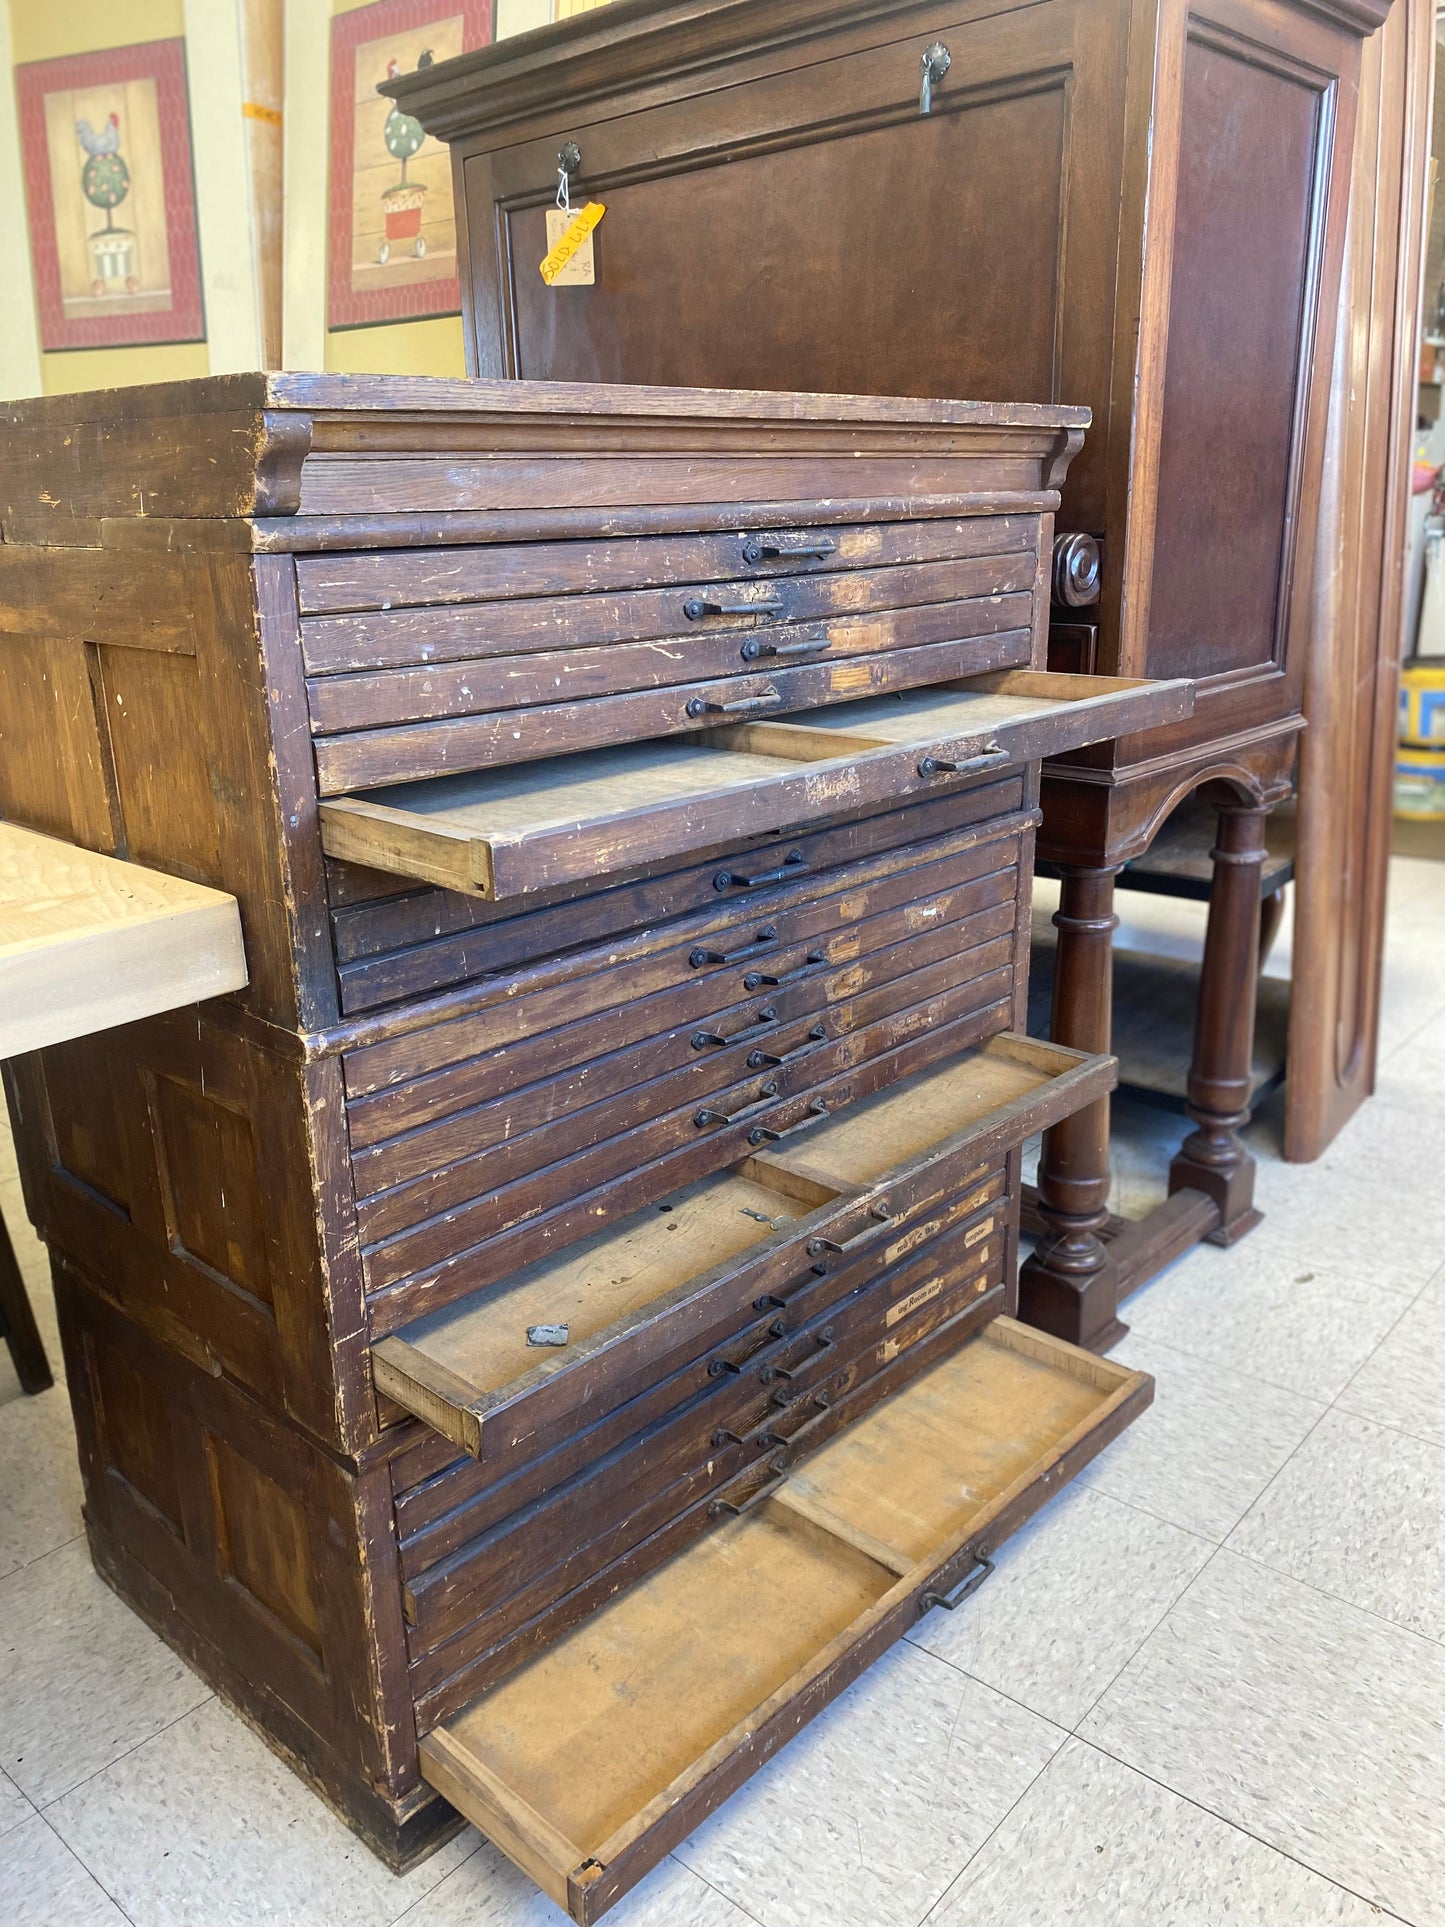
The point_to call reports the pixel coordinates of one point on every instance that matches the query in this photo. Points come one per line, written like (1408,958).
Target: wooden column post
(1069,1286)
(1212,1158)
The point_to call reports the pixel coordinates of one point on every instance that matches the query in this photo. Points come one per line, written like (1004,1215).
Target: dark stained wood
(422,1094)
(1147,214)
(18,1329)
(1347,753)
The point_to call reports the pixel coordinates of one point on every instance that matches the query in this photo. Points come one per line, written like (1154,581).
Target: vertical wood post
(1069,1286)
(1212,1158)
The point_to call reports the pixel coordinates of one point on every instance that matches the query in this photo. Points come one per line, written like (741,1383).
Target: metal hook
(934,64)
(569,162)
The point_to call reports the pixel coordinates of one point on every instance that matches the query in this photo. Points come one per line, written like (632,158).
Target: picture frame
(391,226)
(100,133)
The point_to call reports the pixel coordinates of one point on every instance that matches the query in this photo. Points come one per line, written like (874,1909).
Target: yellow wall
(433,346)
(430,346)
(47,30)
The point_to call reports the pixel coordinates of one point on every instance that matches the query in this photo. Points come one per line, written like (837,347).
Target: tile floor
(1206,1687)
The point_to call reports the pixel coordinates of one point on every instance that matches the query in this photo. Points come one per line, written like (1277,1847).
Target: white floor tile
(1316,1727)
(1074,1595)
(1359,1512)
(1402,1383)
(1298,1325)
(1094,1844)
(1207,1447)
(14,1807)
(39,1478)
(206,1816)
(82,1681)
(488,1891)
(42,1884)
(867,1816)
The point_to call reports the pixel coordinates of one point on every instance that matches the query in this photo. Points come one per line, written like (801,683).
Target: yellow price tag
(576,237)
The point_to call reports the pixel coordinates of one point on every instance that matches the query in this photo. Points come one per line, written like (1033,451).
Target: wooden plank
(87,941)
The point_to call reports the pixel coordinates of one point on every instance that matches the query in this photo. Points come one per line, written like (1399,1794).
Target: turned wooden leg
(1212,1158)
(17,1322)
(1069,1286)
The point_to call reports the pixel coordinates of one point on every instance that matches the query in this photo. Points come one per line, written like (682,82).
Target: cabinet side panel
(1246,240)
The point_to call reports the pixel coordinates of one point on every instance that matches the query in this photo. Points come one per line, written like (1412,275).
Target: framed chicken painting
(107,158)
(393,235)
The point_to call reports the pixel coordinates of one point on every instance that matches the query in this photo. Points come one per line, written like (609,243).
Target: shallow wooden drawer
(390,607)
(508,832)
(597,1757)
(396,940)
(693,1269)
(533,1556)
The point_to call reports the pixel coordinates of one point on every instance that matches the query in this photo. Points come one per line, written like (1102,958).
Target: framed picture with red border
(106,146)
(392,232)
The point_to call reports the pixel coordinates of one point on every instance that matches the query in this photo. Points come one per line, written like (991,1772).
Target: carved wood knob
(1076,571)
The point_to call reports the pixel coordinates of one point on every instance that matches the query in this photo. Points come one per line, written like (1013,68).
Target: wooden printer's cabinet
(629,796)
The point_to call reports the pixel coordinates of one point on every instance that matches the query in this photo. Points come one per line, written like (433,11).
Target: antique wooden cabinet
(1135,204)
(538,1342)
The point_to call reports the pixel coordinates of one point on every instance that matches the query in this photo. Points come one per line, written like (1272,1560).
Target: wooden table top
(87,941)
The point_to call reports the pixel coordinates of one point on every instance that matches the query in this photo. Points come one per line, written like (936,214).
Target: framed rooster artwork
(393,235)
(107,158)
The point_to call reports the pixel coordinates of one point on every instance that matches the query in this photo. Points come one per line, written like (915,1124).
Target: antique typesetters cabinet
(549,1333)
(1134,204)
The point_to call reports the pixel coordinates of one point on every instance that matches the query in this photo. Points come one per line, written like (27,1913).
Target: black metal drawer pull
(744,706)
(811,646)
(755,979)
(757,1059)
(766,1016)
(702,955)
(707,1115)
(757,547)
(880,1212)
(696,607)
(736,1506)
(793,864)
(988,758)
(760,1134)
(949,1600)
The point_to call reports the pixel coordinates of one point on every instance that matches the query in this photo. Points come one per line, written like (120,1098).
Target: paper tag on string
(570,262)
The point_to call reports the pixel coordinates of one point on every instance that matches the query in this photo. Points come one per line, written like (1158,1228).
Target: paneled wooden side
(149,736)
(188,1170)
(259,1558)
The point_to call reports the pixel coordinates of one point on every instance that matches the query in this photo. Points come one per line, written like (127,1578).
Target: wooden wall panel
(1347,752)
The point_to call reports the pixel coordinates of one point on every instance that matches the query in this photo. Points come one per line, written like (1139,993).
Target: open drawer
(598,1756)
(712,1272)
(508,831)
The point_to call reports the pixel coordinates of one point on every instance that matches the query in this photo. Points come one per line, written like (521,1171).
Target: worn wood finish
(674,1698)
(434,1113)
(519,829)
(1148,208)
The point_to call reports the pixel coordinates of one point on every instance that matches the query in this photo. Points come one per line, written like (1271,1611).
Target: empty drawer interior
(698,1265)
(536,826)
(599,1755)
